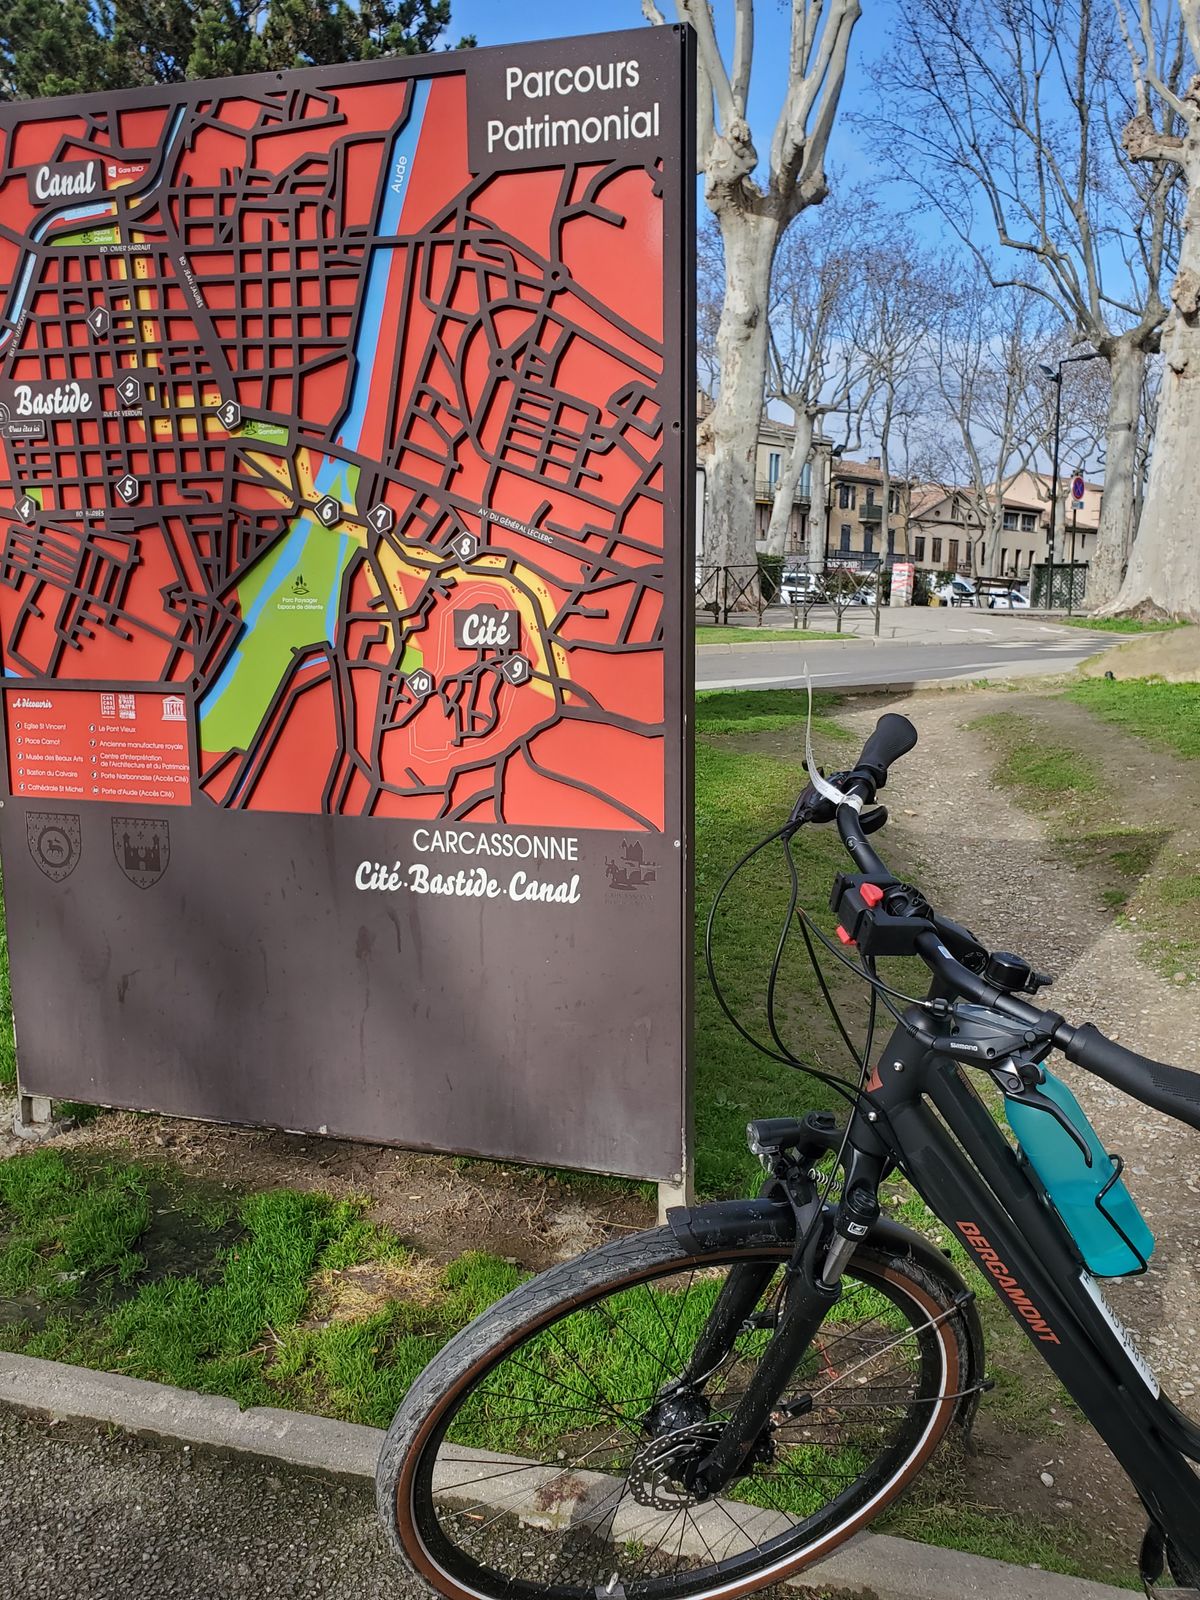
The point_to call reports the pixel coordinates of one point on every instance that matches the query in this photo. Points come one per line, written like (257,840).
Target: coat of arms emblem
(142,846)
(54,842)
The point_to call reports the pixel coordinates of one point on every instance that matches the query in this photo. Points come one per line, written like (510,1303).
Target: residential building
(936,526)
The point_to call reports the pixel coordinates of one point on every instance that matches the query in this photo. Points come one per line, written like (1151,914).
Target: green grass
(8,1049)
(948,1520)
(715,634)
(742,795)
(1165,715)
(764,711)
(1121,624)
(1038,767)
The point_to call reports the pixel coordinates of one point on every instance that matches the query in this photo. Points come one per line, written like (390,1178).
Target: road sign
(1077,488)
(353,792)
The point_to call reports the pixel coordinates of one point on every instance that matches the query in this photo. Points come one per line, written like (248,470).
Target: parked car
(801,588)
(957,592)
(1014,600)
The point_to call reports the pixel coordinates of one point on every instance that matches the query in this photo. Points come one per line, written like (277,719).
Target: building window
(868,542)
(806,480)
(845,540)
(1003,560)
(952,556)
(893,499)
(935,553)
(1028,521)
(847,496)
(774,463)
(891,541)
(919,547)
(870,495)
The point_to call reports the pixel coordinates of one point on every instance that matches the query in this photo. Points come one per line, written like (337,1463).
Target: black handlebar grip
(1171,1090)
(894,737)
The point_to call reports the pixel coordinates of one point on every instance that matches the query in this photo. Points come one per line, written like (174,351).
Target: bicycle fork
(813,1287)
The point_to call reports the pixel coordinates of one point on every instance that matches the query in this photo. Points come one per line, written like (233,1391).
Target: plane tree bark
(754,196)
(1164,571)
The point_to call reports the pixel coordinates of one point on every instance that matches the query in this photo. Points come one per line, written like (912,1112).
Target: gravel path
(111,1517)
(992,865)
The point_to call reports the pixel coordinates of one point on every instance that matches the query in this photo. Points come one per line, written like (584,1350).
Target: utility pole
(1055,376)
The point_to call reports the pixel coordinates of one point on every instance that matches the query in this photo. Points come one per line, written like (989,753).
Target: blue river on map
(287,559)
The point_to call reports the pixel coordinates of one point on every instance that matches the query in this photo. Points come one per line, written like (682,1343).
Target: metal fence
(1061,587)
(739,593)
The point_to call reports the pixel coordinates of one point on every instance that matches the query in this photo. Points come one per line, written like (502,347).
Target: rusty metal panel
(344,545)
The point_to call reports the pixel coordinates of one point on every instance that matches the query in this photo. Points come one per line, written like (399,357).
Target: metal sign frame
(207,916)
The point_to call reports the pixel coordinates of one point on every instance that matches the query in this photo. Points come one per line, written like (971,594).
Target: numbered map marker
(26,508)
(516,669)
(230,415)
(128,488)
(130,390)
(382,518)
(465,546)
(420,683)
(329,512)
(99,321)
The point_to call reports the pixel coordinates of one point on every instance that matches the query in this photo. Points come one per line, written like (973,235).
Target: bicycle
(708,1407)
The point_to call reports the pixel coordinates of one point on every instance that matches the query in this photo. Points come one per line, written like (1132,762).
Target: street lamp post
(1055,376)
(835,450)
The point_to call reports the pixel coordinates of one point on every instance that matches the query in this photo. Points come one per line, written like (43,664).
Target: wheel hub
(659,1473)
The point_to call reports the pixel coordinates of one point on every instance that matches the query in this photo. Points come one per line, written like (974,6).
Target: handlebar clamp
(881,919)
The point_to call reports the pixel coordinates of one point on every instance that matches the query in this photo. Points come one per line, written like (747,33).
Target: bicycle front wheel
(536,1456)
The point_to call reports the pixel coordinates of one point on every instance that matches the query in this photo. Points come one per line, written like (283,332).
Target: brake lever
(873,820)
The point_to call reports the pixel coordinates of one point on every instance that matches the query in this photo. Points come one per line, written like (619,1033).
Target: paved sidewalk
(87,1514)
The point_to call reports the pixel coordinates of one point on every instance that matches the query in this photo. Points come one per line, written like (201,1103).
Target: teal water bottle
(1093,1202)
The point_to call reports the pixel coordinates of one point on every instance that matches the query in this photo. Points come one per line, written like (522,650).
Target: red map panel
(287,393)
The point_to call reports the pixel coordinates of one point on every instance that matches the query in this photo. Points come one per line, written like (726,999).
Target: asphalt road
(892,663)
(90,1515)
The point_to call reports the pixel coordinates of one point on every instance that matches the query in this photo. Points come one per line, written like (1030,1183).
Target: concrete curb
(871,1564)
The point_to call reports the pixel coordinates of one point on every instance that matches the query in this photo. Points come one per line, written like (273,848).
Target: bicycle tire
(409,1504)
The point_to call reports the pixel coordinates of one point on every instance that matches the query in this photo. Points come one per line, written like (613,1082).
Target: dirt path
(993,865)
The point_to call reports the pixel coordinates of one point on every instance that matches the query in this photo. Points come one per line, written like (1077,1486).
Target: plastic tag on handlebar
(824,788)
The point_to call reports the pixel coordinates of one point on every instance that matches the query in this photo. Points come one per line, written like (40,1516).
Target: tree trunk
(1127,365)
(1164,569)
(779,529)
(749,242)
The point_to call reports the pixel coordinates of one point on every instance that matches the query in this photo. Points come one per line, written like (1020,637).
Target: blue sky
(512,21)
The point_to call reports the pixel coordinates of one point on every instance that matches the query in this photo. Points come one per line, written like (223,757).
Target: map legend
(129,747)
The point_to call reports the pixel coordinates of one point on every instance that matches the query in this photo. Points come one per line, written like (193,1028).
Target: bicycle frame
(921,1109)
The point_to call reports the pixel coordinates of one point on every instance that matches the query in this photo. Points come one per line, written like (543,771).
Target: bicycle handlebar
(1171,1090)
(894,736)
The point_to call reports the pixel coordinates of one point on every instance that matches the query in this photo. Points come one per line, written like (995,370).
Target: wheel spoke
(596,1491)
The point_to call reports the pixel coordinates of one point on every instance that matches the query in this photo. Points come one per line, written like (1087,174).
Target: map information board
(342,561)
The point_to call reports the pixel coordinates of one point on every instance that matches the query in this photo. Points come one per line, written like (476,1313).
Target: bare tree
(901,308)
(1008,110)
(710,288)
(816,363)
(1164,570)
(986,371)
(752,211)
